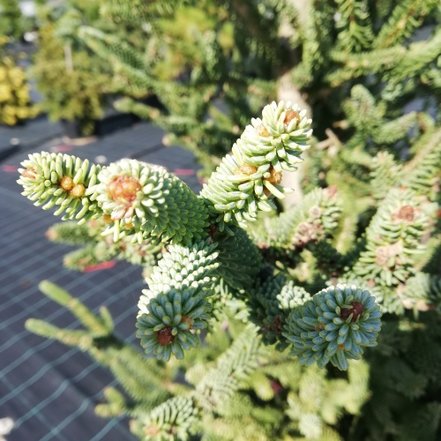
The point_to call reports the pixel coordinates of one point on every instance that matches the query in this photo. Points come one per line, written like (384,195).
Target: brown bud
(385,256)
(371,283)
(331,191)
(51,234)
(165,336)
(107,219)
(30,173)
(151,430)
(66,183)
(123,188)
(187,320)
(275,176)
(277,324)
(276,387)
(78,191)
(315,212)
(290,115)
(247,169)
(356,310)
(319,327)
(263,131)
(212,230)
(406,213)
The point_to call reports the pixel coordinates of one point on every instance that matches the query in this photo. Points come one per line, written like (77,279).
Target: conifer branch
(80,339)
(313,219)
(407,16)
(249,177)
(384,175)
(354,26)
(169,421)
(418,57)
(421,173)
(231,369)
(369,220)
(69,233)
(394,238)
(147,200)
(334,326)
(364,63)
(114,406)
(316,33)
(174,309)
(127,61)
(57,180)
(93,323)
(140,378)
(83,258)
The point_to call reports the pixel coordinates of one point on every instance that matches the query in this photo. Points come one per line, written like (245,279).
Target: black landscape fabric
(48,389)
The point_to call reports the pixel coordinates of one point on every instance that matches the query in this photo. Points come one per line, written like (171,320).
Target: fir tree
(246,297)
(204,267)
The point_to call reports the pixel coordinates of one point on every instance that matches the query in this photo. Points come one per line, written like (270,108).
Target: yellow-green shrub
(15,101)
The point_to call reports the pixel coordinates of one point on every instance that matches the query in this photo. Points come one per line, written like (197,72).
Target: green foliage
(73,85)
(11,21)
(393,239)
(196,54)
(142,200)
(238,299)
(232,368)
(69,233)
(138,376)
(405,18)
(214,64)
(170,420)
(98,248)
(312,220)
(353,20)
(90,255)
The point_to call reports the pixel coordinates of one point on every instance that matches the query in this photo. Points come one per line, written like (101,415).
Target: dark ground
(50,390)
